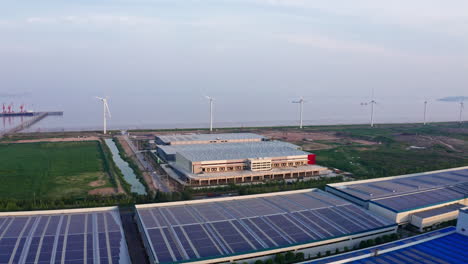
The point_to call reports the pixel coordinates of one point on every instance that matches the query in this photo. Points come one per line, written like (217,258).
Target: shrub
(289,256)
(279,258)
(299,256)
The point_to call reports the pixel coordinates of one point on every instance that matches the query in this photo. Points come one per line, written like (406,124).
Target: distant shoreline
(205,129)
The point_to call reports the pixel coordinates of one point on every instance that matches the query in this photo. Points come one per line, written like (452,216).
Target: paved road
(158,183)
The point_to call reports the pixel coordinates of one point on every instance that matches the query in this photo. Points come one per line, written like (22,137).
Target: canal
(129,174)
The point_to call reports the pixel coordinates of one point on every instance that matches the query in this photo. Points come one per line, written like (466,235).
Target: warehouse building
(445,246)
(190,139)
(212,164)
(423,199)
(89,235)
(247,228)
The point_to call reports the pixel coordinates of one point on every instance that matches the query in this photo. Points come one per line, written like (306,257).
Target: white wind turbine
(425,111)
(211,99)
(301,110)
(371,103)
(106,112)
(462,106)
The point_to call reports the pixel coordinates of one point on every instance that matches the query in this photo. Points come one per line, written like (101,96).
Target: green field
(438,146)
(51,170)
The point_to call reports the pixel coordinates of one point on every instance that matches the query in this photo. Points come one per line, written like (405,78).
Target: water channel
(127,171)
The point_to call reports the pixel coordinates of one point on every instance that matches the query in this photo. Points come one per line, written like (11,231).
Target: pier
(37,116)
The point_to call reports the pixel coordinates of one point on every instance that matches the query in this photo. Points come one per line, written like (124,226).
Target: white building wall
(462,225)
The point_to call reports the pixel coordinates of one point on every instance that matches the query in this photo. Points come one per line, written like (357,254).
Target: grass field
(51,170)
(398,149)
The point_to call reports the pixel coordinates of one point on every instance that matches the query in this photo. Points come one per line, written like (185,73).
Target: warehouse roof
(89,235)
(238,151)
(392,186)
(446,249)
(207,137)
(416,200)
(255,225)
(439,211)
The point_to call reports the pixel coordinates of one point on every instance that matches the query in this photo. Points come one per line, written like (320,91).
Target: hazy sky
(150,53)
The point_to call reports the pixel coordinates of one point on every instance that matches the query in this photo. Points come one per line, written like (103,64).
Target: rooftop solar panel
(406,185)
(66,236)
(235,226)
(207,137)
(419,199)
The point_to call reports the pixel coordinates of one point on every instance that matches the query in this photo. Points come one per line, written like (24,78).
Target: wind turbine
(211,99)
(371,103)
(462,106)
(425,111)
(301,108)
(106,112)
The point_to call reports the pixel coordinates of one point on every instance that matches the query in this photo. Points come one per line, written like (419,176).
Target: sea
(83,114)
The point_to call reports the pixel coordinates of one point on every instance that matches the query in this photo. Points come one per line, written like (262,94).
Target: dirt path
(72,139)
(146,176)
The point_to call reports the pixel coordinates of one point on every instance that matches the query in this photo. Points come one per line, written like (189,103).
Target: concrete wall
(183,163)
(462,225)
(405,217)
(421,223)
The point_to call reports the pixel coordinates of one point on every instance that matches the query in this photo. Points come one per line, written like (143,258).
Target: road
(159,184)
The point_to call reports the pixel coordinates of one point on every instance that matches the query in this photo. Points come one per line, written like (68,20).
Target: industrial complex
(214,159)
(93,235)
(421,199)
(255,227)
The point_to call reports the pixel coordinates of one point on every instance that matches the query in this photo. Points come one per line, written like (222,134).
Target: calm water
(129,175)
(142,112)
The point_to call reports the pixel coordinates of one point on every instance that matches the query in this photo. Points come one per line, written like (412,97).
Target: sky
(156,59)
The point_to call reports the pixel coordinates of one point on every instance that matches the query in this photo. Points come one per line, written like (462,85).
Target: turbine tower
(425,111)
(106,112)
(211,99)
(301,110)
(371,103)
(462,106)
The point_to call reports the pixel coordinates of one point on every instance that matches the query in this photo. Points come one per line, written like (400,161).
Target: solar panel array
(447,249)
(396,186)
(94,237)
(411,201)
(231,227)
(203,137)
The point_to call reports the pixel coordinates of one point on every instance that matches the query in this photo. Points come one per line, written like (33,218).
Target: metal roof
(238,151)
(346,257)
(416,200)
(207,137)
(446,249)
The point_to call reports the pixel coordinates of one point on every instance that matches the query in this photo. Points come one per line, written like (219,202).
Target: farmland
(52,170)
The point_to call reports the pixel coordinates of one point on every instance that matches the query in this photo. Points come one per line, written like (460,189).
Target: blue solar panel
(56,237)
(239,226)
